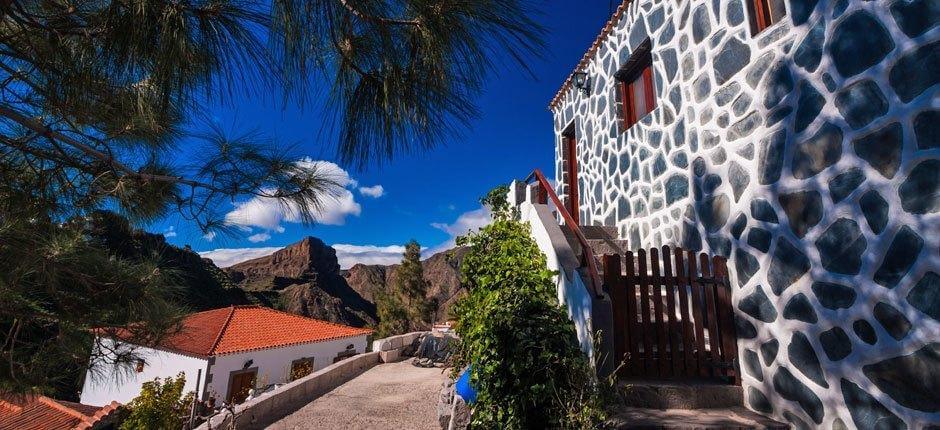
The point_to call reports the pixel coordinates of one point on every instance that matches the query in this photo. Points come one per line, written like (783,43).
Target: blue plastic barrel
(463,387)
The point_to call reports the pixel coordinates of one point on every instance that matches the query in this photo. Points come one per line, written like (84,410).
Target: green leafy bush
(160,405)
(527,366)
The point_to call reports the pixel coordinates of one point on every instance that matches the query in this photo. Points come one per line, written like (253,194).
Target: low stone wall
(260,412)
(390,348)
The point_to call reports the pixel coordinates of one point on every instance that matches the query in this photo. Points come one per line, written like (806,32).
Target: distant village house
(225,353)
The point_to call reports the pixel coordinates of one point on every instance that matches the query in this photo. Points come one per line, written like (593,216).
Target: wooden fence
(675,323)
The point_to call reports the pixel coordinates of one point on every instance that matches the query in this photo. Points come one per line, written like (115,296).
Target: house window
(637,94)
(139,366)
(300,368)
(765,13)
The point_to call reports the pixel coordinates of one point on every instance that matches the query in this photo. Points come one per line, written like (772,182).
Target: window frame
(638,66)
(761,15)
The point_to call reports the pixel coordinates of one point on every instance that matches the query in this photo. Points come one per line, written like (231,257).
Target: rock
(865,331)
(927,129)
(768,350)
(916,71)
(912,380)
(698,166)
(894,322)
(745,126)
(701,25)
(307,280)
(758,306)
(803,357)
(915,17)
(836,344)
(691,239)
(761,210)
(771,157)
(861,103)
(677,188)
(759,239)
(779,85)
(799,308)
(758,401)
(735,12)
(712,182)
(737,227)
(925,296)
(898,259)
(808,106)
(702,87)
(796,421)
(792,389)
(815,154)
(800,10)
(920,191)
(757,69)
(858,42)
(744,328)
(834,296)
(714,211)
(732,57)
(726,94)
(786,266)
(875,209)
(745,266)
(752,365)
(738,178)
(460,418)
(841,247)
(803,209)
(809,52)
(844,183)
(866,411)
(882,149)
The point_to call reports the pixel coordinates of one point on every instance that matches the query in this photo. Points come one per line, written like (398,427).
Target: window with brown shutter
(635,86)
(765,13)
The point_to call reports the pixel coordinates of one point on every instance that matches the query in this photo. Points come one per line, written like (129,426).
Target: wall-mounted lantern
(248,364)
(582,82)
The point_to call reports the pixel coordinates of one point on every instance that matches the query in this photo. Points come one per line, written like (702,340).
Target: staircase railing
(546,193)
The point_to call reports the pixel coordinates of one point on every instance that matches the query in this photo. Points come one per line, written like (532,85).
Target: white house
(226,352)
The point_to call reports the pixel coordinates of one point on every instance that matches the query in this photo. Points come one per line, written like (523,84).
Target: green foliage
(497,200)
(527,365)
(405,306)
(160,405)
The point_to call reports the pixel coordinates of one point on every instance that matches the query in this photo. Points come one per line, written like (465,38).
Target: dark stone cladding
(809,155)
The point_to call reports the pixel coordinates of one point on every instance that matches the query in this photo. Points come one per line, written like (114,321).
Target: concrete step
(598,231)
(724,418)
(679,395)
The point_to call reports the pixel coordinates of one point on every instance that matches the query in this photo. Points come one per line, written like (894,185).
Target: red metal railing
(545,193)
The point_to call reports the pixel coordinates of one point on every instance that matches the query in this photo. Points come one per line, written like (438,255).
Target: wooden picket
(672,315)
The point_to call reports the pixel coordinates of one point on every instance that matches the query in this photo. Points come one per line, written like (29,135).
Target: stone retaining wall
(260,412)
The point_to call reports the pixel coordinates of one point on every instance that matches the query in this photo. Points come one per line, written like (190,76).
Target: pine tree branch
(377,19)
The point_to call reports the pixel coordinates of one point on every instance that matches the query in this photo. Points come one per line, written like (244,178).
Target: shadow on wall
(832,229)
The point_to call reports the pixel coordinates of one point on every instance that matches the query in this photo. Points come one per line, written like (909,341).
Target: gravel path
(395,395)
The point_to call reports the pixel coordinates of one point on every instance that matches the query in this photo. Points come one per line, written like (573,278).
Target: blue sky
(428,196)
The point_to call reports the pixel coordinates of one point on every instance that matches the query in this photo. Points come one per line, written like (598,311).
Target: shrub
(160,405)
(527,366)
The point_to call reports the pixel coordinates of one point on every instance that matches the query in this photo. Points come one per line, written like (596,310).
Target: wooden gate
(674,323)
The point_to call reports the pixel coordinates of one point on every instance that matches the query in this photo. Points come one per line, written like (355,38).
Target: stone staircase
(670,404)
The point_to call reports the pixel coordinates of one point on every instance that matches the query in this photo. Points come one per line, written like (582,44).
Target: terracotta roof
(248,328)
(44,413)
(611,23)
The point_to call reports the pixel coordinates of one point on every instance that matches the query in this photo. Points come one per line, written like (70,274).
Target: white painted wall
(274,364)
(572,293)
(106,382)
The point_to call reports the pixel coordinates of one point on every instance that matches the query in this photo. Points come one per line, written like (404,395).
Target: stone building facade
(808,153)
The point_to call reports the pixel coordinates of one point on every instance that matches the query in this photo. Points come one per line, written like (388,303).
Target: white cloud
(210,236)
(269,214)
(348,255)
(259,237)
(226,257)
(465,223)
(169,232)
(375,191)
